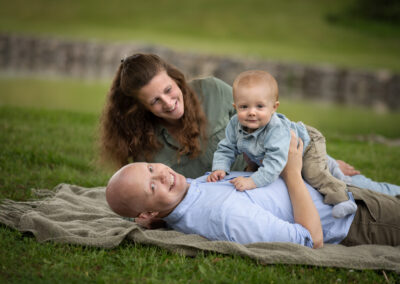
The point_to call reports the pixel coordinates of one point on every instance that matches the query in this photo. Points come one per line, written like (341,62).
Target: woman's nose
(167,102)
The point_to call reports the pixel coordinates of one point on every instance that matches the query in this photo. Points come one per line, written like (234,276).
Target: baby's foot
(344,208)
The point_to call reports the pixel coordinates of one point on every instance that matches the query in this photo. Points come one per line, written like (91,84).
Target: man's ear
(148,215)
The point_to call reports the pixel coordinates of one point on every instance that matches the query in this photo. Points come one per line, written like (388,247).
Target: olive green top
(216,98)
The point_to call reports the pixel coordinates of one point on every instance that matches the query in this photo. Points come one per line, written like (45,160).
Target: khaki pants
(315,170)
(377,219)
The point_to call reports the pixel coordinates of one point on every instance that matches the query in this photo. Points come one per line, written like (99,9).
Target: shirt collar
(180,210)
(255,133)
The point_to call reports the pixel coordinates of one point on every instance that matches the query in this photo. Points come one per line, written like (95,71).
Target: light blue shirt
(217,211)
(268,146)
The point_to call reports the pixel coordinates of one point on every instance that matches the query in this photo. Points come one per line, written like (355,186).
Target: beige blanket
(78,215)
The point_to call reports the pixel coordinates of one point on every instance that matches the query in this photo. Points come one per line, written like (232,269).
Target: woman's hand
(347,169)
(295,157)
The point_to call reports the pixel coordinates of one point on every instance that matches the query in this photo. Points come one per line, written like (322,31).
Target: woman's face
(163,98)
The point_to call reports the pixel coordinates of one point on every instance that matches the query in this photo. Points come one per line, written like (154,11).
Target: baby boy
(264,137)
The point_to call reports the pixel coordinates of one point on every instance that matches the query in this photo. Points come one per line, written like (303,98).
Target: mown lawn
(309,31)
(53,139)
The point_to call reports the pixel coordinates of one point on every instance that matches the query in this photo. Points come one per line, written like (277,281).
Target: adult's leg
(376,221)
(382,187)
(361,180)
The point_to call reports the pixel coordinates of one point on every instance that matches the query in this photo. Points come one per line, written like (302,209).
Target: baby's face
(254,105)
(155,187)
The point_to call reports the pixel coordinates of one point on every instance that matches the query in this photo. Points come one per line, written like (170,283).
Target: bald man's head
(146,188)
(121,191)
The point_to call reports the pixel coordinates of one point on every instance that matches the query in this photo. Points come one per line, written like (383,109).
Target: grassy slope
(285,30)
(43,147)
(46,147)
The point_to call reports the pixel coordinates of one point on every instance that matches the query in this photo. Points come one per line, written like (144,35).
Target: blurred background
(344,51)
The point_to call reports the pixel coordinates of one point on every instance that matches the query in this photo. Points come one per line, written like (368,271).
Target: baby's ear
(148,215)
(276,105)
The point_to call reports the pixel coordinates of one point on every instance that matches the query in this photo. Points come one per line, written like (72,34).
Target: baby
(264,137)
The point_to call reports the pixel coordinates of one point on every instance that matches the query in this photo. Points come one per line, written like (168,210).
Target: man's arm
(304,211)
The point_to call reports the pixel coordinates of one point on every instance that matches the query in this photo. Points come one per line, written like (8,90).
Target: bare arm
(304,210)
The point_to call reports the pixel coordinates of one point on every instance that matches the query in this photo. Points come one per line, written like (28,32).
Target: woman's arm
(304,210)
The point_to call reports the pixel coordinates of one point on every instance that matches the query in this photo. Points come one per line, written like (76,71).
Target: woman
(152,114)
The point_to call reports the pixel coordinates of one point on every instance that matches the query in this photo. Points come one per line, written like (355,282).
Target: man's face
(155,187)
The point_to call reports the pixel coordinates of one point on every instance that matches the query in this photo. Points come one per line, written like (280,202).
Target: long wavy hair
(128,129)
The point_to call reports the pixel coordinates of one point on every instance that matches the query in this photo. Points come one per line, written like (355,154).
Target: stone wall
(90,59)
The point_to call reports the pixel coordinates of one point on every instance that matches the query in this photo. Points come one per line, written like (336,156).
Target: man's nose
(161,176)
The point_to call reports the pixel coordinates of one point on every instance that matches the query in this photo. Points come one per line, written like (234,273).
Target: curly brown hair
(128,129)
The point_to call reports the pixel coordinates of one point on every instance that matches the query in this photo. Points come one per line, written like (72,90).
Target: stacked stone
(90,59)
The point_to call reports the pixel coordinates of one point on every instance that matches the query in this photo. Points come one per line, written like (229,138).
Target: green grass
(300,31)
(53,140)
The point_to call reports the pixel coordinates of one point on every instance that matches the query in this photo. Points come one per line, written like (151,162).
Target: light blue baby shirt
(268,146)
(217,211)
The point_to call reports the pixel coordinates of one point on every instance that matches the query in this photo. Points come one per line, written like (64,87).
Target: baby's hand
(243,183)
(216,176)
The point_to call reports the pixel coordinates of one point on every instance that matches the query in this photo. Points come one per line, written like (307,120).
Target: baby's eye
(242,107)
(151,168)
(152,187)
(260,106)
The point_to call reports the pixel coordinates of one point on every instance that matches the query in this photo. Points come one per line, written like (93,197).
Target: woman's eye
(154,101)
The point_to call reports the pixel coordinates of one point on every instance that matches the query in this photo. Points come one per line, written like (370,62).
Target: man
(294,212)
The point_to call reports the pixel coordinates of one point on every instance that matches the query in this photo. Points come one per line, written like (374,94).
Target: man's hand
(347,169)
(295,160)
(216,176)
(243,183)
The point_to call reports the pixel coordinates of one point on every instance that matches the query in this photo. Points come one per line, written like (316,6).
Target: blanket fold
(78,215)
